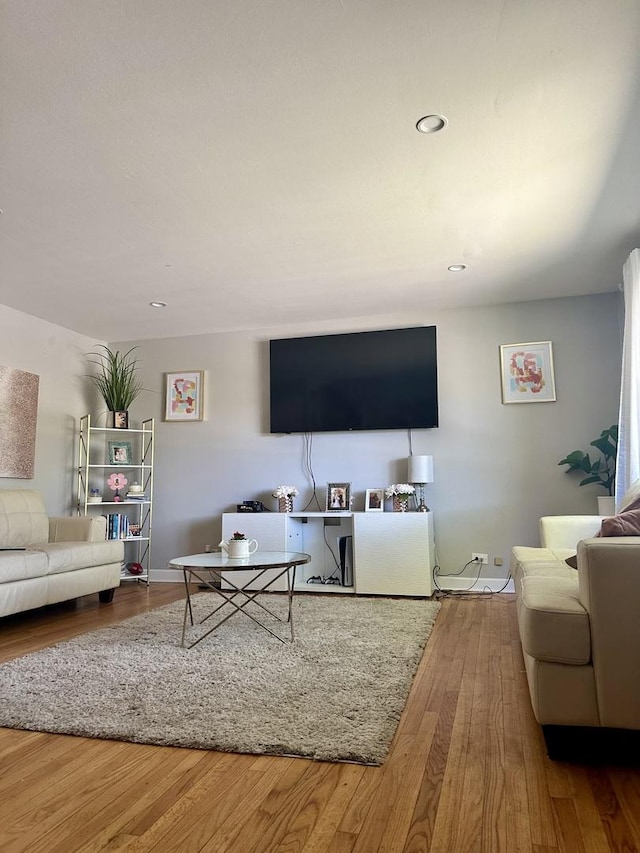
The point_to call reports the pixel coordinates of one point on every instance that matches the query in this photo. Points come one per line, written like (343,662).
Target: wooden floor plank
(467,770)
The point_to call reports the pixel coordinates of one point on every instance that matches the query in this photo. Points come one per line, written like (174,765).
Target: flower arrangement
(400,490)
(285,492)
(237,536)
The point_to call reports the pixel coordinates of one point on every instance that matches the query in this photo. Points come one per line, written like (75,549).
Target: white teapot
(239,547)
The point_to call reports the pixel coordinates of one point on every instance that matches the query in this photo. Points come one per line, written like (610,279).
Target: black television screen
(359,381)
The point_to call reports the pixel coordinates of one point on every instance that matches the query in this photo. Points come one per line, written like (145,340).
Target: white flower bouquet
(285,492)
(400,490)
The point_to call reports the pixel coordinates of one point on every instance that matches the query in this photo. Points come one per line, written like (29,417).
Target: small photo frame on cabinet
(374,500)
(526,372)
(184,396)
(338,497)
(120,453)
(121,420)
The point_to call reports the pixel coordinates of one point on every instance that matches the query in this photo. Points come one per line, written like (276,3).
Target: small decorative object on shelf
(400,492)
(285,496)
(94,497)
(117,482)
(135,568)
(136,493)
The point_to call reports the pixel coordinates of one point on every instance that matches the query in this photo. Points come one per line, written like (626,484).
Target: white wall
(57,356)
(496,466)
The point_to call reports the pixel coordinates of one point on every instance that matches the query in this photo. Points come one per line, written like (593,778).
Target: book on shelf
(117,526)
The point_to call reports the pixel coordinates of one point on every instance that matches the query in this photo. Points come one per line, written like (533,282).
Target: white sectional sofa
(580,632)
(44,560)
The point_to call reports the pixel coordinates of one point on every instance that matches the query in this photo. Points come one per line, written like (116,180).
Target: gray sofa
(580,631)
(45,560)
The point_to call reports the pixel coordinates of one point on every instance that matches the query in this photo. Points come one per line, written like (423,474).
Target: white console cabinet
(392,552)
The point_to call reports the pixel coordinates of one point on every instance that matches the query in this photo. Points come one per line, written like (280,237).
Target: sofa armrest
(77,528)
(565,531)
(609,588)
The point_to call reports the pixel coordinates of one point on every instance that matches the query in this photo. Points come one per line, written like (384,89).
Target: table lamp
(420,473)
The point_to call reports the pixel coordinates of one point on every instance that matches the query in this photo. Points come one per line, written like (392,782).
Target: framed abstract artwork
(18,418)
(184,396)
(527,373)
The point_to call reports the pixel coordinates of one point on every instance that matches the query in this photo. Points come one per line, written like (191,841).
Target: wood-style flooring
(467,771)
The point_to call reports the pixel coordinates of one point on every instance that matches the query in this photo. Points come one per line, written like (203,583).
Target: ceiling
(256,163)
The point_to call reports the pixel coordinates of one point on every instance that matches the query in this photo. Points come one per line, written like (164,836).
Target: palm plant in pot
(601,470)
(117,380)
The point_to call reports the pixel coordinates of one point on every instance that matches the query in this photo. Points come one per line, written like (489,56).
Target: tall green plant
(602,470)
(117,378)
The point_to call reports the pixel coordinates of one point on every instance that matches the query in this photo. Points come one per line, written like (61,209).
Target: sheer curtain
(628,463)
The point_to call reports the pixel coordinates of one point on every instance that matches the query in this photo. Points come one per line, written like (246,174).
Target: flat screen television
(358,381)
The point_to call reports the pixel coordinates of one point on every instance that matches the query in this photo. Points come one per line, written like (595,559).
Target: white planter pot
(606,505)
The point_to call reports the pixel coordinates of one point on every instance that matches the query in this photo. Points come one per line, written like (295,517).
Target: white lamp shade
(420,469)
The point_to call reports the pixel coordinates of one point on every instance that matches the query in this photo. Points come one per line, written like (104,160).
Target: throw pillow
(623,524)
(572,561)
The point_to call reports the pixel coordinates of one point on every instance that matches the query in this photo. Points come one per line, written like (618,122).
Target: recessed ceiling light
(457,267)
(158,304)
(431,124)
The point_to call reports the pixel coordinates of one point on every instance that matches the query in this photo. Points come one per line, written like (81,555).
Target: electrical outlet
(480,558)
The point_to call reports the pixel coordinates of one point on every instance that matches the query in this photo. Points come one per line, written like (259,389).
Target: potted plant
(117,380)
(601,470)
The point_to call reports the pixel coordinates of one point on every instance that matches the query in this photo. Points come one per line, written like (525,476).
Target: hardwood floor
(467,771)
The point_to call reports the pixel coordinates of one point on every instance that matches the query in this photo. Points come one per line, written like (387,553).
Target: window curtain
(628,461)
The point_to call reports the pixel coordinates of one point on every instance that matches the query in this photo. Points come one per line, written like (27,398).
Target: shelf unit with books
(110,461)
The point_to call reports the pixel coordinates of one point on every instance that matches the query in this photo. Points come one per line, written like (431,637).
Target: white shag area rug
(335,694)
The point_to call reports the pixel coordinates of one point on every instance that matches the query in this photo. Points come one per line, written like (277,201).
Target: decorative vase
(400,503)
(285,504)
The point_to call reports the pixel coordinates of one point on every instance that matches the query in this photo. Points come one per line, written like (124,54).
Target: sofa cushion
(69,556)
(23,519)
(542,562)
(21,565)
(554,626)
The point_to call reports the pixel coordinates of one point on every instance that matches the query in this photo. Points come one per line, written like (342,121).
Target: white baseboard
(448,583)
(482,584)
(167,575)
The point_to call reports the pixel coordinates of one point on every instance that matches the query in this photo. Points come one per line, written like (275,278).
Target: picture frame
(120,453)
(121,420)
(374,500)
(526,373)
(184,396)
(338,497)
